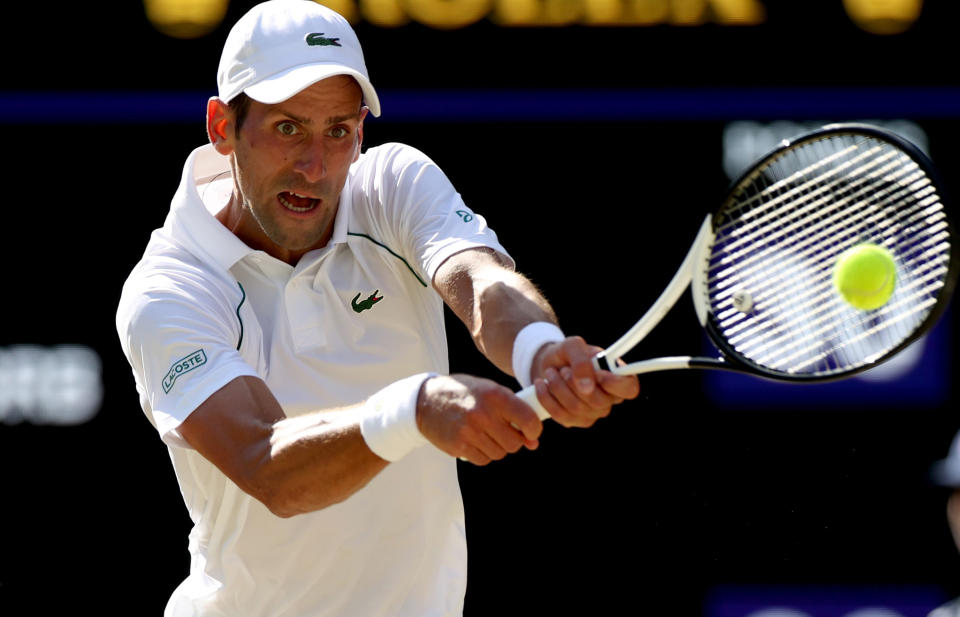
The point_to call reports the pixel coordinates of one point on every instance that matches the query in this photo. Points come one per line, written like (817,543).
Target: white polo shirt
(202,308)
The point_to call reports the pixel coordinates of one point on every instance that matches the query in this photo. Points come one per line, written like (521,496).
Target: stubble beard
(304,236)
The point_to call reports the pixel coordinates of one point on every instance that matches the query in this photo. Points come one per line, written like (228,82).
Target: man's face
(290,163)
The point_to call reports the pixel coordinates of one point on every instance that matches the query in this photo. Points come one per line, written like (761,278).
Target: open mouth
(296,202)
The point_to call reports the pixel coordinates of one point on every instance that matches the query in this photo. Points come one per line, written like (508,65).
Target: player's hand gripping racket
(761,268)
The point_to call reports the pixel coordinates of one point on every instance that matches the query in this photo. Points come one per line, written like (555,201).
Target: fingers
(575,354)
(583,373)
(624,387)
(573,390)
(569,403)
(476,420)
(485,438)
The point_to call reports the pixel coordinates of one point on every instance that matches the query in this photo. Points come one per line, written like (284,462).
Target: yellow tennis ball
(865,276)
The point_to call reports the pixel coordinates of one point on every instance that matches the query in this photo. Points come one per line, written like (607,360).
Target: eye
(288,128)
(339,132)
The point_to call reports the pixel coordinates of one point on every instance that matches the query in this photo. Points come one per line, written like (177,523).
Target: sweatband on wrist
(528,342)
(389,422)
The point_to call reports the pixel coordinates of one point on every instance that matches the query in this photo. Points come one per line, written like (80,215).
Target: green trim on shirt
(389,250)
(240,319)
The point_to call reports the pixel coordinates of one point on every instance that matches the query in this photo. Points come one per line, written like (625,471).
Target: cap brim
(282,86)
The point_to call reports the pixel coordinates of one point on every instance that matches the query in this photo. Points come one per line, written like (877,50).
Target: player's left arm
(496,303)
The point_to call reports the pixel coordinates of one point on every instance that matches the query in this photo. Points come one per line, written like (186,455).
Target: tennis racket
(760,268)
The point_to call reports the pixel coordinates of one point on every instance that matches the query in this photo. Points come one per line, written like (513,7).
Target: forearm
(314,461)
(494,302)
(503,309)
(292,465)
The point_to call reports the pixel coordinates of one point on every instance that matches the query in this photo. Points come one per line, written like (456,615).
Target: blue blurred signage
(827,601)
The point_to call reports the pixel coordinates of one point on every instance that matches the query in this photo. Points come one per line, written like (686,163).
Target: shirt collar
(192,222)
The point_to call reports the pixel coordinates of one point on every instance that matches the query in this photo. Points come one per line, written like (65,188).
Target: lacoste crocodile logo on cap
(317,38)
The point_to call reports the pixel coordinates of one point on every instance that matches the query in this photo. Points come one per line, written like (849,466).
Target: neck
(243,225)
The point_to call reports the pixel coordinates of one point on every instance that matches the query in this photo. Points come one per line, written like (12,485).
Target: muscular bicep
(233,430)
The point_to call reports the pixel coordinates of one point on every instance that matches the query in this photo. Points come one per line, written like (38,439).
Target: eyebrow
(329,121)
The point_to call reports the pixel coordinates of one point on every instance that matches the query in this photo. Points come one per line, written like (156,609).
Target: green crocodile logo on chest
(362,305)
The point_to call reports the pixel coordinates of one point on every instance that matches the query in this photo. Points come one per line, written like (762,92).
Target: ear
(220,125)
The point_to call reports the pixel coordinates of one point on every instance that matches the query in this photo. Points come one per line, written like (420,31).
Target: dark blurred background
(586,132)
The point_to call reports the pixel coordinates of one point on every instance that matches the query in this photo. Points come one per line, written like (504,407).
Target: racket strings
(778,238)
(811,327)
(817,308)
(757,274)
(766,204)
(844,209)
(772,346)
(847,353)
(803,211)
(819,324)
(813,332)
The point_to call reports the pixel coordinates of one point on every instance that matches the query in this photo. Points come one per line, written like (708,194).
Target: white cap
(281,47)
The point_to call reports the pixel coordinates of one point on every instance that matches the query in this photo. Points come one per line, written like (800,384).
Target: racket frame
(693,269)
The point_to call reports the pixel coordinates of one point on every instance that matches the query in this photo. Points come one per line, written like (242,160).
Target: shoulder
(166,268)
(394,152)
(395,171)
(393,159)
(170,283)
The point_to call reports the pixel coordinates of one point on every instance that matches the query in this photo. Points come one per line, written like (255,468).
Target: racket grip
(529,396)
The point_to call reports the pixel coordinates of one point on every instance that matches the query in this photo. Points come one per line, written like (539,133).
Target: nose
(311,161)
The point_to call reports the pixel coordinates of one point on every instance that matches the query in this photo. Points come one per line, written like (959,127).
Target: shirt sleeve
(429,215)
(181,341)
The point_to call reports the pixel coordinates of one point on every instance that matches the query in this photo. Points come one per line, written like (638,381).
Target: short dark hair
(240,105)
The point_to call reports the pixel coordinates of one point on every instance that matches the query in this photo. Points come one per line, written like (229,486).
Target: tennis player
(285,330)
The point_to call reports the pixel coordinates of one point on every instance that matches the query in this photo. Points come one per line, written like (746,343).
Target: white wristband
(389,422)
(528,342)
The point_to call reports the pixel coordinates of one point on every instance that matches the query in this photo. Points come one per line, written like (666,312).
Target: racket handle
(529,396)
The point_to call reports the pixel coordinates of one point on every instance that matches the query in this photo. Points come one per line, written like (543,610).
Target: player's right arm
(183,336)
(224,411)
(292,465)
(308,462)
